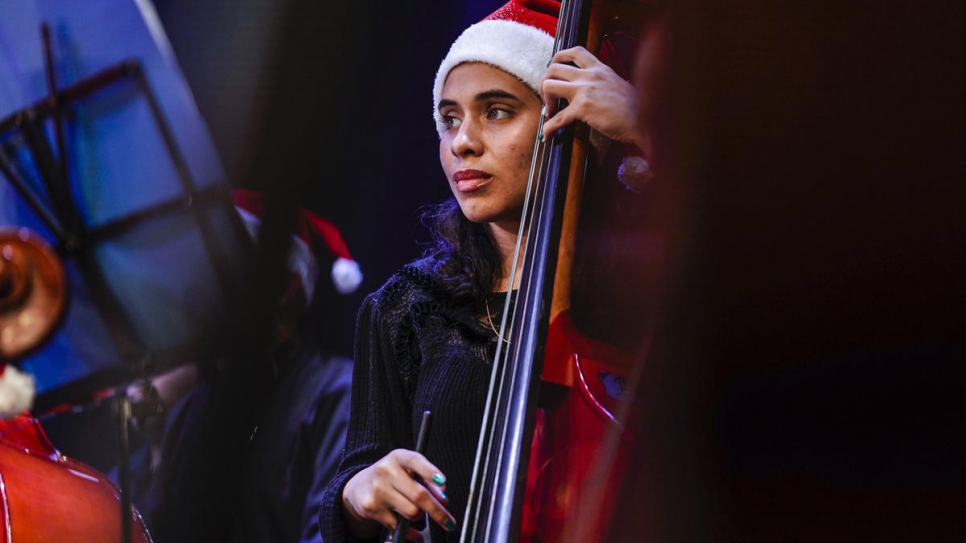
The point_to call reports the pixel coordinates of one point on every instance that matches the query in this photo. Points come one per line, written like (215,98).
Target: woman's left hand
(595,94)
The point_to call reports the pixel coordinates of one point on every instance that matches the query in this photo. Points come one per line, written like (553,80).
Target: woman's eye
(498,114)
(450,122)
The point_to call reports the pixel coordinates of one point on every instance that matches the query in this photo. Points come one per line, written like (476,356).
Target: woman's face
(491,123)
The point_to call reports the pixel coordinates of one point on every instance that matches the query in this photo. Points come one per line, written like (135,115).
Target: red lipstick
(470,180)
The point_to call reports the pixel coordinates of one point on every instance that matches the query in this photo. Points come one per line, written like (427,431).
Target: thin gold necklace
(489,319)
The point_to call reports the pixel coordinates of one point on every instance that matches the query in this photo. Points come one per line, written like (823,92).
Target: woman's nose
(468,141)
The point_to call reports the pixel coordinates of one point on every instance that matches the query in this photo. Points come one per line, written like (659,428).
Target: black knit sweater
(416,349)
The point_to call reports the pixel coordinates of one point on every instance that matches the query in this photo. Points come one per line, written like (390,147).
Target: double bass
(554,443)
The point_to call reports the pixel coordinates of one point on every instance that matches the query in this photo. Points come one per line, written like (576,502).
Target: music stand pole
(122,407)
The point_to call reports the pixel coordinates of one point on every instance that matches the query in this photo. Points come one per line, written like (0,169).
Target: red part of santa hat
(540,14)
(345,271)
(517,38)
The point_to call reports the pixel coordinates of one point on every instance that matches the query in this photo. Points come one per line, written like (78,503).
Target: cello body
(48,497)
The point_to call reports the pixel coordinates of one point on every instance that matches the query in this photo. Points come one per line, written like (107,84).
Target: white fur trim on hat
(16,391)
(515,48)
(346,275)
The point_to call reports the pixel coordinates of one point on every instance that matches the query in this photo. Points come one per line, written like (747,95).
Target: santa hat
(346,275)
(517,38)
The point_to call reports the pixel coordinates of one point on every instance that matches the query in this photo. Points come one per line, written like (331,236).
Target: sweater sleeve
(380,418)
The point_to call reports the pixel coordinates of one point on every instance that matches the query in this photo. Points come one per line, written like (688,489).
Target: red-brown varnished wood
(579,444)
(48,497)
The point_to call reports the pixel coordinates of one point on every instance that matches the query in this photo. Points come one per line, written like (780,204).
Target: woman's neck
(506,236)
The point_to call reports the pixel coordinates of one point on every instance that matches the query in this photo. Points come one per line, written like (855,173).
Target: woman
(426,339)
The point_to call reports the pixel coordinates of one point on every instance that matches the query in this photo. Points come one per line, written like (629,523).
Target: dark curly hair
(464,252)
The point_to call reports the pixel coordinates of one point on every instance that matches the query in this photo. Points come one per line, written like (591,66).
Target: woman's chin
(476,213)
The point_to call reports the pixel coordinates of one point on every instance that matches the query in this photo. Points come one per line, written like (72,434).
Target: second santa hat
(346,275)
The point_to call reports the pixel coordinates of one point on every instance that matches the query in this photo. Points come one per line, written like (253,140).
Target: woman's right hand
(373,496)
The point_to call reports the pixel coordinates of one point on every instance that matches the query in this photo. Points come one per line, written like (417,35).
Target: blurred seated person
(261,479)
(296,446)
